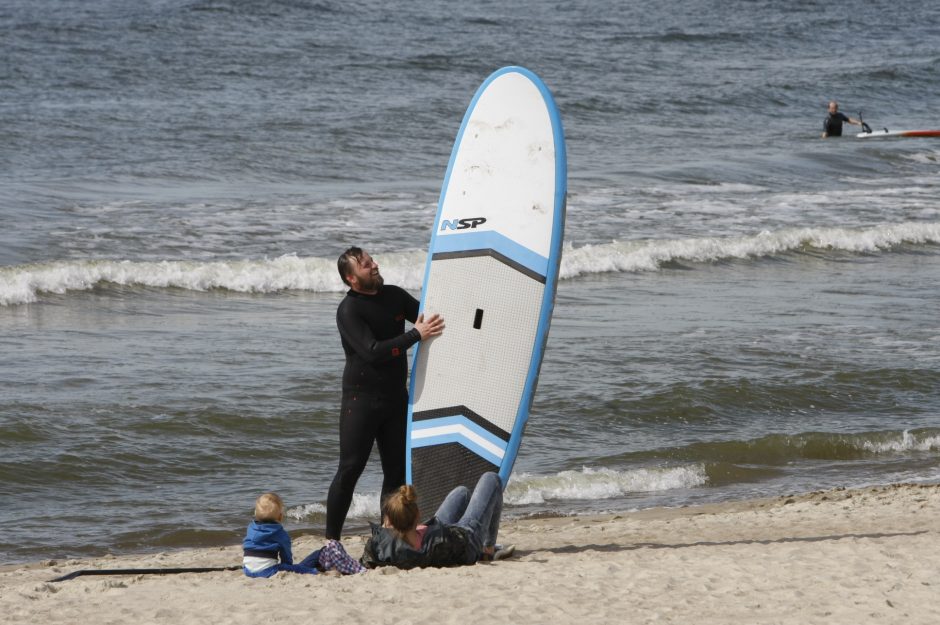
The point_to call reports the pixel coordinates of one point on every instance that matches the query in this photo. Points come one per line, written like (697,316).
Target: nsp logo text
(462,224)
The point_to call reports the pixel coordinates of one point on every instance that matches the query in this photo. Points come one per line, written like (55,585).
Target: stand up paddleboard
(898,133)
(492,272)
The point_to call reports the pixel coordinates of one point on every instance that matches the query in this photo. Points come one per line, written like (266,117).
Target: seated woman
(462,531)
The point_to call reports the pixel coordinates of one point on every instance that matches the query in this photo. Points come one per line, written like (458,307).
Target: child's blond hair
(269,508)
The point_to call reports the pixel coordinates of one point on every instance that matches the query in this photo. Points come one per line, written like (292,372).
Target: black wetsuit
(833,124)
(375,394)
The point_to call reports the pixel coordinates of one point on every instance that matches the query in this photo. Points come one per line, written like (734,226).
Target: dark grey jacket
(443,545)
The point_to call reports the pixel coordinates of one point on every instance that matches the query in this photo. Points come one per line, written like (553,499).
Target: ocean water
(745,309)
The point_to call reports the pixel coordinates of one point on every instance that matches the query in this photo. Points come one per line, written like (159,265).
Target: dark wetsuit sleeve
(358,334)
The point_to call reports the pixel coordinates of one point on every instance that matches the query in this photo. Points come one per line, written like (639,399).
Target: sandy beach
(840,556)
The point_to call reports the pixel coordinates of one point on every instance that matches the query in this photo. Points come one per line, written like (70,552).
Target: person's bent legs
(454,505)
(483,513)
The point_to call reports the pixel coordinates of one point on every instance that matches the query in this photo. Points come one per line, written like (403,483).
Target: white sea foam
(930,157)
(23,284)
(602,483)
(651,255)
(906,442)
(306,511)
(363,506)
(527,489)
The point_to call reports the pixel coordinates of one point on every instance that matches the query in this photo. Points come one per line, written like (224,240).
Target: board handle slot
(478,319)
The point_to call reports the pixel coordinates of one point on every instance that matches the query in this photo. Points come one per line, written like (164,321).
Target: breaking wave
(24,284)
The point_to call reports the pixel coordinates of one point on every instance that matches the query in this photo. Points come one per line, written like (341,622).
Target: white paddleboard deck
(491,273)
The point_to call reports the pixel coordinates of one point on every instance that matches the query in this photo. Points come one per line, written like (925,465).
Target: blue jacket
(268,539)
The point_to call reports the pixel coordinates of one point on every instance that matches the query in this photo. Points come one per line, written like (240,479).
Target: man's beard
(372,283)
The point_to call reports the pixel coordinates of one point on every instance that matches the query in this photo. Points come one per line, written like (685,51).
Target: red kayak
(899,133)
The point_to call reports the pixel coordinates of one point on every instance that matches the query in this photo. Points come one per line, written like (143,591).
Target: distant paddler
(832,125)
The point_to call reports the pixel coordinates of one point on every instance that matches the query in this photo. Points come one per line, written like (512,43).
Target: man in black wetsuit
(832,125)
(371,320)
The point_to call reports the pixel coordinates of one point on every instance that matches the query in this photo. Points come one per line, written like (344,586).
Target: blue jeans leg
(453,506)
(484,511)
(307,566)
(312,560)
(297,568)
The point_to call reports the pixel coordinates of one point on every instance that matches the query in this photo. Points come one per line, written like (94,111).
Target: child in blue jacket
(268,547)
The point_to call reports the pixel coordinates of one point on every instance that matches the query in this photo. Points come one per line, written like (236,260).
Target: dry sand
(841,556)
